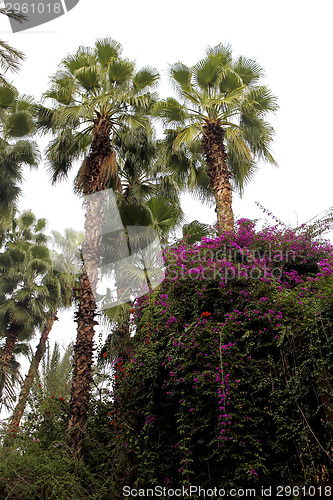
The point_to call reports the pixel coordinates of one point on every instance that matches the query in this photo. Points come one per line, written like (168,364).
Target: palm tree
(224,106)
(26,387)
(54,376)
(16,145)
(66,267)
(95,94)
(28,289)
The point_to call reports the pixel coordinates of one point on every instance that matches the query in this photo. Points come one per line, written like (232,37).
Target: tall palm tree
(27,384)
(225,107)
(95,94)
(28,289)
(67,266)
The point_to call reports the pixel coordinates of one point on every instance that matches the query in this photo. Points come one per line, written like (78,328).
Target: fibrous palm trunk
(7,352)
(100,167)
(25,390)
(218,172)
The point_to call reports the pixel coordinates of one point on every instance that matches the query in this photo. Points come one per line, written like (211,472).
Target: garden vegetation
(221,376)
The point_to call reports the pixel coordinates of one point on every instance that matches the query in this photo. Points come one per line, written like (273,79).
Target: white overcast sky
(291,40)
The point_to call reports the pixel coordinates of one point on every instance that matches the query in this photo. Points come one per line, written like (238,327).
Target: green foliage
(227,381)
(35,463)
(40,474)
(54,375)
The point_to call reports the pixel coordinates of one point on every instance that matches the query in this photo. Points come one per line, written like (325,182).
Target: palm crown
(224,105)
(96,93)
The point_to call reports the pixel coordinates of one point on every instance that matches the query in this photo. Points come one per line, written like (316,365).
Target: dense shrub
(39,474)
(227,381)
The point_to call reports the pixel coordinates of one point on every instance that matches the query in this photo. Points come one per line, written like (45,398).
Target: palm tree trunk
(11,339)
(99,169)
(83,358)
(218,172)
(25,390)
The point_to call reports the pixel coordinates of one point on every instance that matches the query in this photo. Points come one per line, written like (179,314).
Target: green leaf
(195,231)
(206,73)
(147,77)
(19,124)
(134,215)
(248,70)
(40,252)
(27,152)
(7,96)
(107,49)
(188,134)
(230,81)
(182,74)
(17,255)
(40,224)
(165,214)
(39,266)
(120,72)
(83,57)
(115,313)
(172,110)
(261,100)
(19,314)
(220,54)
(88,77)
(27,218)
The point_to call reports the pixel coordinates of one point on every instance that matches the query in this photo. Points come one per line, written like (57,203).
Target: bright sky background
(291,40)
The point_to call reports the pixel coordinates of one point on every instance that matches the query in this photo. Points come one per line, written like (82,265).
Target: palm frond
(120,72)
(88,77)
(248,70)
(172,111)
(181,76)
(10,58)
(260,100)
(63,150)
(207,73)
(188,134)
(107,50)
(221,53)
(195,231)
(8,94)
(146,77)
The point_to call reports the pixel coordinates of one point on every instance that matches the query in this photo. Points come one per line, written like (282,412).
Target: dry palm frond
(9,58)
(109,171)
(81,180)
(13,14)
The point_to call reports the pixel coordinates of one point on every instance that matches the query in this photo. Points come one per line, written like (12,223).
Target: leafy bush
(227,381)
(39,474)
